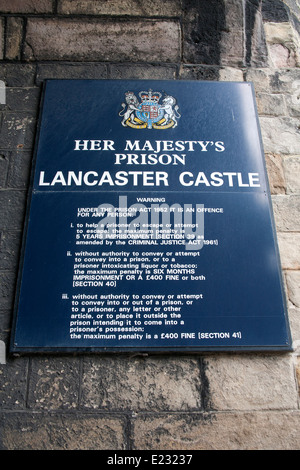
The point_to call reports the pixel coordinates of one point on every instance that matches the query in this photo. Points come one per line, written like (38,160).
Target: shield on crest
(149,113)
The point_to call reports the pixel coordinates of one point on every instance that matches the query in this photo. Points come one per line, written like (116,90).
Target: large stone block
(7,290)
(71,70)
(230,74)
(275,173)
(255,45)
(99,40)
(9,250)
(141,384)
(54,383)
(284,81)
(213,32)
(280,135)
(293,287)
(210,72)
(275,10)
(286,211)
(260,79)
(258,382)
(199,72)
(17,131)
(283,43)
(12,205)
(17,74)
(291,165)
(26,6)
(142,71)
(218,431)
(13,384)
(38,431)
(128,7)
(271,104)
(14,32)
(19,170)
(22,99)
(289,247)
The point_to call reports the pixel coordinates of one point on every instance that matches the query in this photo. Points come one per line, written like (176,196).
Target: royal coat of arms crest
(149,112)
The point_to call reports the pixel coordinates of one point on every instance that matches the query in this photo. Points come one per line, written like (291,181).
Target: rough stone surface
(12,204)
(19,169)
(142,72)
(230,74)
(213,32)
(14,38)
(256,53)
(142,384)
(275,173)
(37,431)
(271,104)
(2,352)
(9,250)
(13,384)
(1,38)
(70,71)
(22,99)
(286,210)
(298,371)
(289,247)
(256,383)
(18,75)
(91,40)
(54,384)
(168,8)
(4,163)
(283,42)
(293,283)
(269,80)
(222,431)
(7,289)
(291,165)
(280,135)
(26,6)
(294,316)
(17,131)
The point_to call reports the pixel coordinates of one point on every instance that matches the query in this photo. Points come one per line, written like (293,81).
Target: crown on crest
(150,95)
(129,93)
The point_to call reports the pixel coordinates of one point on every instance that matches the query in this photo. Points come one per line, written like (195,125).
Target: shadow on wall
(212,28)
(280,11)
(203,24)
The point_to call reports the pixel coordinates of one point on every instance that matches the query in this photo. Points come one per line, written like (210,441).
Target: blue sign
(149,224)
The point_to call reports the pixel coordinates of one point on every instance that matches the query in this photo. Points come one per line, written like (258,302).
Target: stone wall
(205,401)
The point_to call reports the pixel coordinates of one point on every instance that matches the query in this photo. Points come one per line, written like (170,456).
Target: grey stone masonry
(117,402)
(99,40)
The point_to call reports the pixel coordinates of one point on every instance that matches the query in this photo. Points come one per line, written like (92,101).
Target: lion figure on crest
(132,105)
